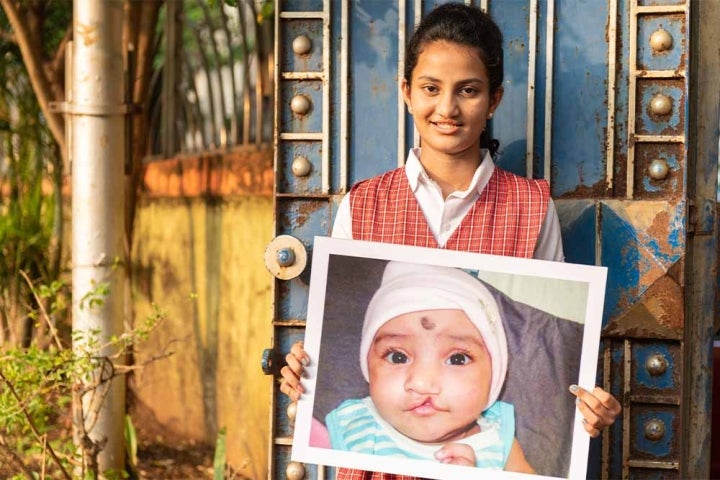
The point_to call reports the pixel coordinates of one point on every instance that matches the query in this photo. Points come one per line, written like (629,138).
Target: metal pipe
(532,61)
(98,113)
(549,79)
(612,80)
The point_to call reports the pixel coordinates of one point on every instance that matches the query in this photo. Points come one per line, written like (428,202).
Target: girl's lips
(446,127)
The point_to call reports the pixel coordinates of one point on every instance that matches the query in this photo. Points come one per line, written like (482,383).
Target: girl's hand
(456,454)
(291,373)
(599,408)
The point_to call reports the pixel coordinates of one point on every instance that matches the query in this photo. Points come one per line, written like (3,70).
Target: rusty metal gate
(615,103)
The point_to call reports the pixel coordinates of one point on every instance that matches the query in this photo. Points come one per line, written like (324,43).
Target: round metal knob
(302,45)
(656,364)
(300,104)
(658,170)
(661,40)
(661,104)
(295,471)
(301,166)
(292,412)
(654,429)
(285,257)
(272,362)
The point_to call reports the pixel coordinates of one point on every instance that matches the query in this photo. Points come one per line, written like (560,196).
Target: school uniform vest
(505,220)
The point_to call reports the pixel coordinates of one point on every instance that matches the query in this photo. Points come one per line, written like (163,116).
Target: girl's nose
(447,104)
(423,378)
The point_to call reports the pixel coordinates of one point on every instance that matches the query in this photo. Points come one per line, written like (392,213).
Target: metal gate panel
(609,90)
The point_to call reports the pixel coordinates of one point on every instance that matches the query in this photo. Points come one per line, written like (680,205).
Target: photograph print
(435,363)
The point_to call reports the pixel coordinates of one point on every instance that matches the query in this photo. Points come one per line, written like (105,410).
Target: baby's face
(430,374)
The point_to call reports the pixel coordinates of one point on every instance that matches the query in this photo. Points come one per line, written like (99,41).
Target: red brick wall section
(240,172)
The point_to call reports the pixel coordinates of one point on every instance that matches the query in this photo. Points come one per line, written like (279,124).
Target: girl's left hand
(599,408)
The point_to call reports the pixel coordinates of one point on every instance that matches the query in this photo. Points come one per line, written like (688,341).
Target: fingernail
(578,401)
(573,388)
(305,361)
(584,420)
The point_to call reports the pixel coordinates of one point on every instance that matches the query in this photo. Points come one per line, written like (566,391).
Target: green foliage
(30,183)
(35,394)
(131,442)
(39,386)
(219,459)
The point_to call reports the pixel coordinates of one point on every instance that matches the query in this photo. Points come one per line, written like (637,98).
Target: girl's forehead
(449,49)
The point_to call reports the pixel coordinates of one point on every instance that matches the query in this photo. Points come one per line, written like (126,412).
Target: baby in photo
(434,353)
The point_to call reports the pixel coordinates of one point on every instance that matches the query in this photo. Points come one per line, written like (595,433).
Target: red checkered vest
(505,220)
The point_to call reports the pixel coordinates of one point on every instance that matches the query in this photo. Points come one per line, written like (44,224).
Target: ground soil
(165,456)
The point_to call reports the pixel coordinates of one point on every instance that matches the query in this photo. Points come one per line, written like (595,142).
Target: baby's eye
(396,357)
(458,359)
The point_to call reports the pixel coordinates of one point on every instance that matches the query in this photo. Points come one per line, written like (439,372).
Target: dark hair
(464,25)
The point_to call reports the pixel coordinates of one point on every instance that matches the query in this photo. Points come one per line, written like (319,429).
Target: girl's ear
(496,98)
(405,85)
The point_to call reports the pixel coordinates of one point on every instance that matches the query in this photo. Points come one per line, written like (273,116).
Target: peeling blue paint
(619,252)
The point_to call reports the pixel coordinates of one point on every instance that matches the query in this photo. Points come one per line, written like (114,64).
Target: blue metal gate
(603,98)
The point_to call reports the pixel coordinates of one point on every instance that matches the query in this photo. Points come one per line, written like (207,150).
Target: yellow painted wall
(201,262)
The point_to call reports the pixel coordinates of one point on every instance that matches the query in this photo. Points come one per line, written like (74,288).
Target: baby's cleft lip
(425,407)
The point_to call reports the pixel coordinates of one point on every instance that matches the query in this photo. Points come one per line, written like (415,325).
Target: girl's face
(429,374)
(449,97)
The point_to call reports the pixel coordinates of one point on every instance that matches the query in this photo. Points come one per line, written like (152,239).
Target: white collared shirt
(444,215)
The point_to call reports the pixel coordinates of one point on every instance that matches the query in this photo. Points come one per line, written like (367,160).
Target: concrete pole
(95,108)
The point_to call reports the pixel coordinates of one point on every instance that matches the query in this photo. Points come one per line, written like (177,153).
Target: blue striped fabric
(356,426)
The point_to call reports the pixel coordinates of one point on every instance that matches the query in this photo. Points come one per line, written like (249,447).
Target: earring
(490,115)
(410,110)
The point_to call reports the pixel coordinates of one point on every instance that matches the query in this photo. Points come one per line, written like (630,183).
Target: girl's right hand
(291,373)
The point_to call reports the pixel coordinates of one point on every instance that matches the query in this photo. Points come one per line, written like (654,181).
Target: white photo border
(324,247)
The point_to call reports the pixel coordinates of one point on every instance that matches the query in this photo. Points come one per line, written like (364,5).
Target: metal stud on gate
(658,170)
(292,412)
(656,364)
(285,257)
(301,166)
(654,429)
(295,471)
(300,104)
(661,40)
(661,104)
(302,45)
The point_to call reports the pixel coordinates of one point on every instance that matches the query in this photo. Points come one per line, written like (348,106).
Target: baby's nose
(423,378)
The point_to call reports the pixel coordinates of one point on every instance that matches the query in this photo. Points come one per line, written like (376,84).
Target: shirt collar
(416,173)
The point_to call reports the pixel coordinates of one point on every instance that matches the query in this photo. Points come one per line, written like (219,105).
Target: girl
(449,194)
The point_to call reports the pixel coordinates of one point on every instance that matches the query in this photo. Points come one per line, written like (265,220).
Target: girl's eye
(430,88)
(458,359)
(468,91)
(396,357)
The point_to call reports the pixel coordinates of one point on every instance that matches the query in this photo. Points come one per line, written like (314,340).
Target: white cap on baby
(411,287)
